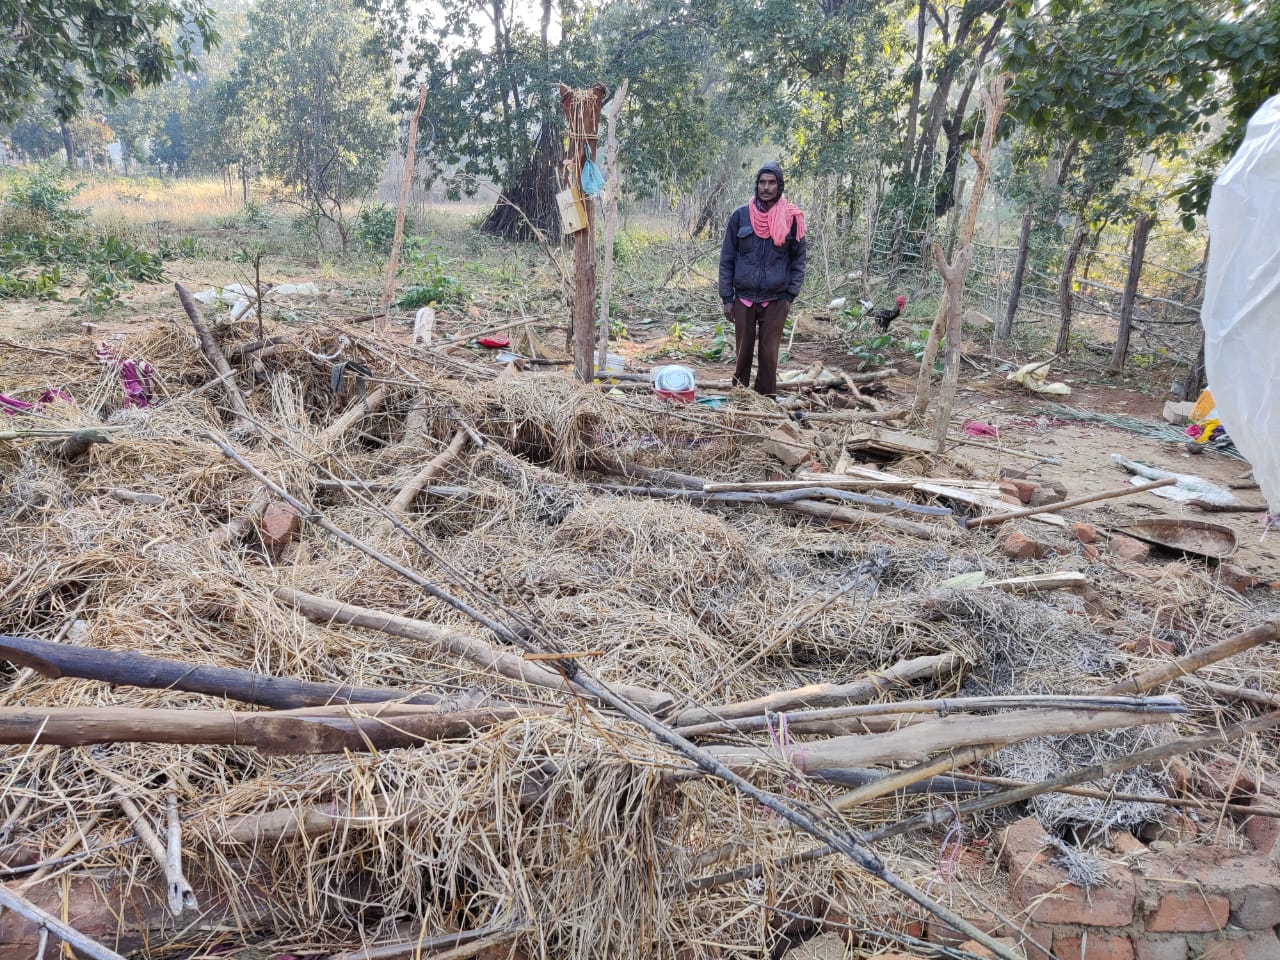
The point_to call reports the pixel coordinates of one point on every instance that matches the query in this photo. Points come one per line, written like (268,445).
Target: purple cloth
(13,406)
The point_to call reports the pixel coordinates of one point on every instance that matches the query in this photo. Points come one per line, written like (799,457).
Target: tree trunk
(1064,289)
(913,110)
(949,312)
(612,189)
(1139,250)
(528,206)
(1019,271)
(67,143)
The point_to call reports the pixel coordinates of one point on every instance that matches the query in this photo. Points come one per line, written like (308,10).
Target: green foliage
(1145,76)
(430,283)
(376,229)
(38,201)
(106,48)
(308,101)
(719,342)
(872,351)
(38,229)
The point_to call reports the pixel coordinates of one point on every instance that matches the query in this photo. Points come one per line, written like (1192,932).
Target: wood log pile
(389,650)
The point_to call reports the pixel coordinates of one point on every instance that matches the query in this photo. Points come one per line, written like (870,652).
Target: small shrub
(430,285)
(376,229)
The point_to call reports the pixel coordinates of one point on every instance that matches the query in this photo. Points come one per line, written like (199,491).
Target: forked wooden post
(582,111)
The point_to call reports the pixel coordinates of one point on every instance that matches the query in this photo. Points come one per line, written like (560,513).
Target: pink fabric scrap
(13,406)
(135,375)
(975,429)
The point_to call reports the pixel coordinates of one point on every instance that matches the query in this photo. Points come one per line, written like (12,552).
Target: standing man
(762,265)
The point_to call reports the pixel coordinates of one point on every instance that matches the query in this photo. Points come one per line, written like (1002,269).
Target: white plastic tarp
(1241,312)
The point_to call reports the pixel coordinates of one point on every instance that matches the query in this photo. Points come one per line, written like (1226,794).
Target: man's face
(767,187)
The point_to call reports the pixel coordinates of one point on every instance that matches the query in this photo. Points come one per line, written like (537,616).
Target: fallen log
(126,668)
(826,378)
(923,740)
(370,403)
(898,676)
(307,731)
(209,347)
(325,611)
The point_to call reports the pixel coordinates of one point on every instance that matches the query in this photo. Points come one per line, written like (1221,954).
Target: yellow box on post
(573,210)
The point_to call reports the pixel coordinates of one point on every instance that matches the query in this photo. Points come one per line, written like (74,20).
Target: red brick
(1233,577)
(1085,532)
(1160,948)
(1189,911)
(278,527)
(1260,907)
(1263,832)
(1028,936)
(978,950)
(1092,946)
(1043,496)
(1259,945)
(1042,890)
(1021,547)
(1023,489)
(1130,549)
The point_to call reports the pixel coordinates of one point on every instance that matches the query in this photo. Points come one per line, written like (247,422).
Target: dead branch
(209,347)
(126,668)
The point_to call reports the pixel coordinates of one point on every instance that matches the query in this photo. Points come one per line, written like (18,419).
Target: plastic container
(674,382)
(614,363)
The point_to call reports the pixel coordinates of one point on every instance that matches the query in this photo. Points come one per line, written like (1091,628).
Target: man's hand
(728,310)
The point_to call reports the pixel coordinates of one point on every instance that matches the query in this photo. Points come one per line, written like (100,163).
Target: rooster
(884,316)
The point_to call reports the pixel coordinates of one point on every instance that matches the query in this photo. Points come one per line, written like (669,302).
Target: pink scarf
(776,221)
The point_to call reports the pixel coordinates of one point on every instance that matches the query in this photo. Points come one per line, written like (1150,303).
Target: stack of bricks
(1189,902)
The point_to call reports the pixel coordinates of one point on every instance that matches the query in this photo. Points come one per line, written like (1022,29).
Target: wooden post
(1065,300)
(1139,250)
(611,187)
(582,111)
(1019,271)
(406,185)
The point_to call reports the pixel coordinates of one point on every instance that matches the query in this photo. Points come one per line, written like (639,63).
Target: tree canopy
(102,48)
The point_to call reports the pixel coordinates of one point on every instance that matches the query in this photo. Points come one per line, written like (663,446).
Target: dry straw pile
(559,828)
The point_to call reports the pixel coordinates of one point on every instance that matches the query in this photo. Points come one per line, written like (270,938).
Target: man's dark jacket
(751,267)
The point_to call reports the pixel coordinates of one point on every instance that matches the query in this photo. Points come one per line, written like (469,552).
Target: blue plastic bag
(592,179)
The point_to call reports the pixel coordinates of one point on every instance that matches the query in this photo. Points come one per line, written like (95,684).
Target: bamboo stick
(209,347)
(942,705)
(410,491)
(931,737)
(1066,504)
(324,611)
(1191,662)
(900,675)
(307,731)
(406,183)
(449,946)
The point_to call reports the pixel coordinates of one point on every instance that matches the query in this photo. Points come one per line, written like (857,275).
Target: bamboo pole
(1191,662)
(406,184)
(1067,504)
(209,347)
(899,676)
(611,110)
